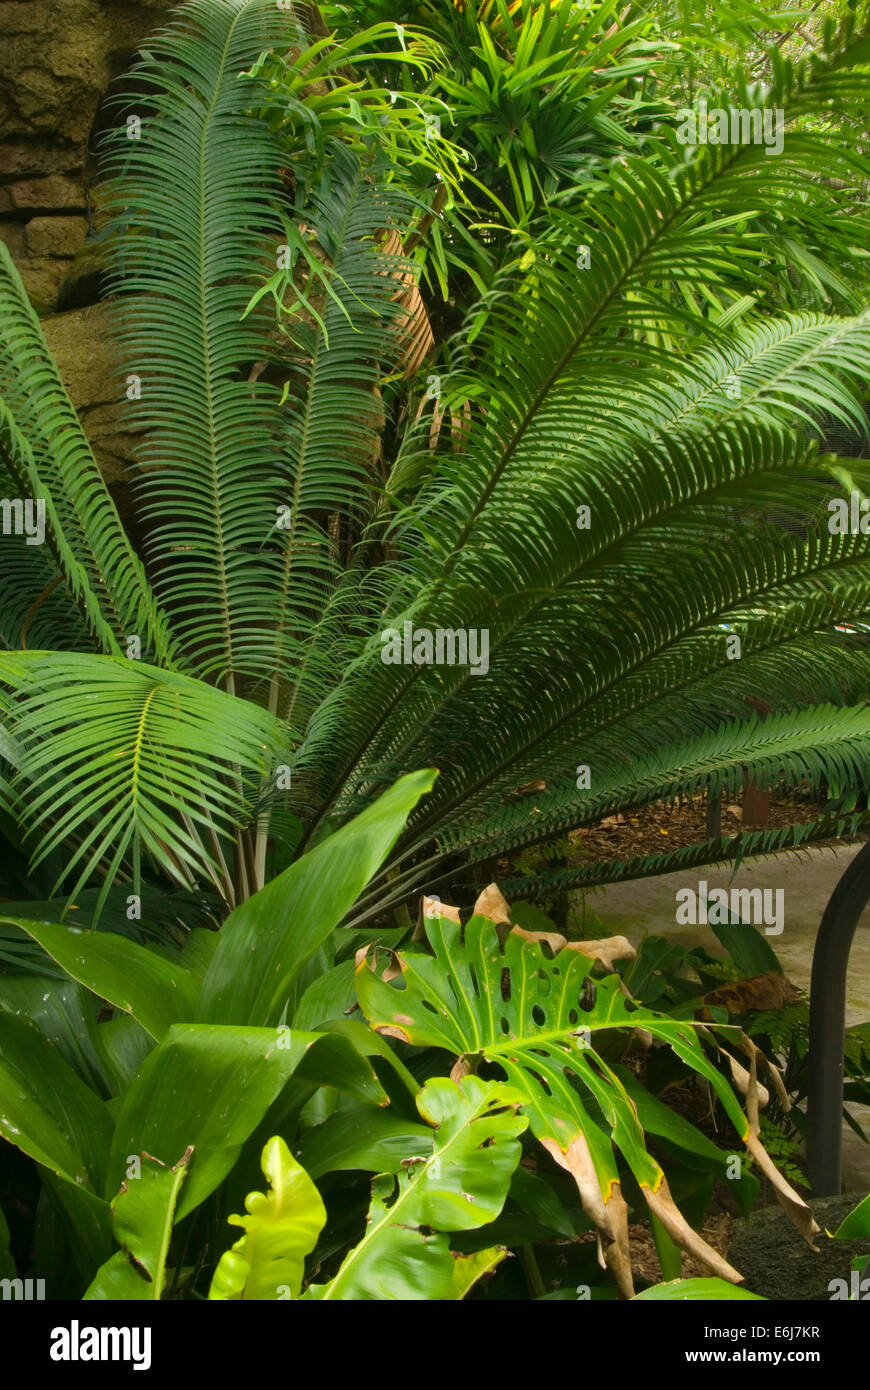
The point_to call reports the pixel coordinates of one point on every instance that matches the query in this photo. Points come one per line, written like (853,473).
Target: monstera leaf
(538,1017)
(458,1182)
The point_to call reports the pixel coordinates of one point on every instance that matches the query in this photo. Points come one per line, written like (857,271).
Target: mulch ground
(658,828)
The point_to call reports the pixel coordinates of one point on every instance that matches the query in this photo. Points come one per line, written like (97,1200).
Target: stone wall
(57,61)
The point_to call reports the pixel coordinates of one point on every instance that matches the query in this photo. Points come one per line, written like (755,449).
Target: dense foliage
(431,323)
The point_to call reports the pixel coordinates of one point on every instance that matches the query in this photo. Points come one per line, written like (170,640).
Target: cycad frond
(45,451)
(196,201)
(557,344)
(797,749)
(334,417)
(748,844)
(36,607)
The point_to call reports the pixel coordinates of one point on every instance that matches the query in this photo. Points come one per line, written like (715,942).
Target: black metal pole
(828,1025)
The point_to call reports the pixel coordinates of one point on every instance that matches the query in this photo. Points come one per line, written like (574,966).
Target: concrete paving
(649,907)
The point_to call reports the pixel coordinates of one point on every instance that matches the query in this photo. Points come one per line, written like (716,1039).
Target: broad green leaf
(90,1221)
(369,1044)
(47,1110)
(154,990)
(266,941)
(49,1113)
(208,1088)
(707,1290)
(655,958)
(751,952)
(281,1228)
(468,1269)
(458,1184)
(196,955)
(335,1061)
(856,1224)
(66,1013)
(536,1197)
(329,996)
(142,1219)
(123,1045)
(372,1140)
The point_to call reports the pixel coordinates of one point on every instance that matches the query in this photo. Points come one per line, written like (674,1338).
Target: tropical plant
(537,97)
(145,1125)
(542,1022)
(461,1184)
(246,652)
(136,1117)
(707,1290)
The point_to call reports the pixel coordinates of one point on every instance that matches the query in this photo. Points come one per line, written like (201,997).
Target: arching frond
(107,750)
(44,450)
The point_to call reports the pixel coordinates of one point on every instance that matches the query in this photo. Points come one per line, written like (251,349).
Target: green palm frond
(107,750)
(197,229)
(334,419)
(671,463)
(597,618)
(792,750)
(748,844)
(535,364)
(637,484)
(36,607)
(44,450)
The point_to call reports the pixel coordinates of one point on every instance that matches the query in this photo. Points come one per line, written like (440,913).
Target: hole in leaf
(540,1080)
(587,996)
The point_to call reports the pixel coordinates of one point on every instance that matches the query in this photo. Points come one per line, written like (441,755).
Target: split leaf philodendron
(538,1017)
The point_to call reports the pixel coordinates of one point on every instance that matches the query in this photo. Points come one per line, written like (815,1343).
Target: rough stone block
(55,236)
